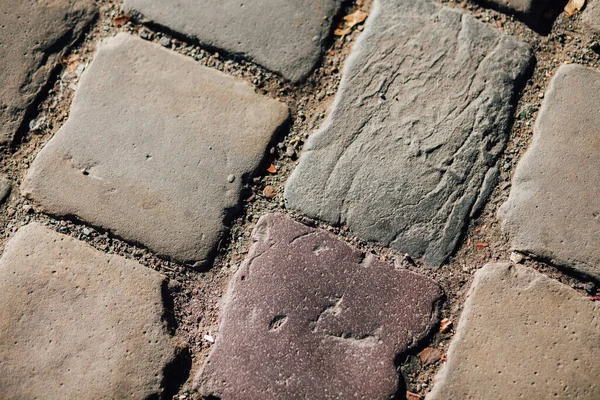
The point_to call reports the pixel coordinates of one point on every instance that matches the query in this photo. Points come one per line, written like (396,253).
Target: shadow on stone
(408,361)
(539,15)
(176,373)
(169,306)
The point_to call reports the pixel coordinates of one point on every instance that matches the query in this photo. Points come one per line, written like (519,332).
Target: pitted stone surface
(553,210)
(284,36)
(308,316)
(76,323)
(150,147)
(33,34)
(411,143)
(522,336)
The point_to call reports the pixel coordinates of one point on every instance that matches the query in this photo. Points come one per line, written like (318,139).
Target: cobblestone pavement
(280,200)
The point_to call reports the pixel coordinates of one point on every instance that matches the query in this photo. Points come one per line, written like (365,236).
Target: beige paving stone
(156,149)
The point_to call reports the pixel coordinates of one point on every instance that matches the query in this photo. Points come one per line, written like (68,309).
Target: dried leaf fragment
(412,396)
(430,355)
(573,6)
(121,19)
(341,32)
(445,325)
(269,192)
(272,169)
(355,18)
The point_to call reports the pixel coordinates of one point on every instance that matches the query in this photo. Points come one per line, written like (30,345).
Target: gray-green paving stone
(156,149)
(553,210)
(522,335)
(282,35)
(76,323)
(410,147)
(309,317)
(33,36)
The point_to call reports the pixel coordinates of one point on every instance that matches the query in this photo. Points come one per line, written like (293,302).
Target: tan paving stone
(553,210)
(76,323)
(522,335)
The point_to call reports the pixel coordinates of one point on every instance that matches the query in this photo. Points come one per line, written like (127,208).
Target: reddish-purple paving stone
(308,316)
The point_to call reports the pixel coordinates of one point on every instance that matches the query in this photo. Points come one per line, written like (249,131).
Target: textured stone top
(151,146)
(284,36)
(76,323)
(33,34)
(310,317)
(554,206)
(410,144)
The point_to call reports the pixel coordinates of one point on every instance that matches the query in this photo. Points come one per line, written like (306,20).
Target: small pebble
(516,257)
(231,178)
(165,41)
(209,338)
(269,192)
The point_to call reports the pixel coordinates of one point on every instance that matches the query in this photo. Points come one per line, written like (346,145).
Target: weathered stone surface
(284,36)
(149,148)
(76,323)
(33,35)
(310,317)
(553,210)
(591,16)
(522,336)
(410,146)
(536,13)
